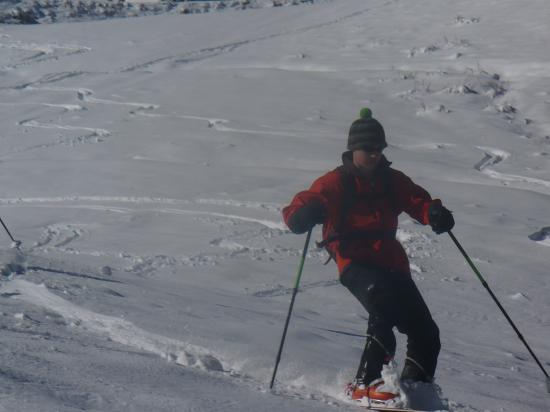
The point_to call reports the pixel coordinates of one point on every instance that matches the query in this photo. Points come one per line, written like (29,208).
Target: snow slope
(145,162)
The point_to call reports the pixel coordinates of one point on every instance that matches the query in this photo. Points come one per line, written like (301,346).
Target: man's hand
(441,218)
(306,217)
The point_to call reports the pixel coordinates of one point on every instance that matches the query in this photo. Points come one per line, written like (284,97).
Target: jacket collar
(347,162)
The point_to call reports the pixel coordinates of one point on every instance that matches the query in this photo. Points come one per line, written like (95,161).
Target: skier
(358,204)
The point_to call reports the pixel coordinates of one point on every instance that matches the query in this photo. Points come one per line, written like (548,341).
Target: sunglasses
(372,149)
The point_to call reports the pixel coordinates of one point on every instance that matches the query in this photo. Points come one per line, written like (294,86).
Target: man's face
(366,160)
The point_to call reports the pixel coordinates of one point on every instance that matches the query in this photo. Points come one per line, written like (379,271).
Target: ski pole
(486,285)
(16,243)
(294,293)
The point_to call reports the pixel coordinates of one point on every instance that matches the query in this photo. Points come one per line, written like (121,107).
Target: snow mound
(114,328)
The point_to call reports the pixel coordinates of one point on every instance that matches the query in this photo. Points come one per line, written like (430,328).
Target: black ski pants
(392,300)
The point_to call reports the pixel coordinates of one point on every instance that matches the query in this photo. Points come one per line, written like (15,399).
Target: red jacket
(367,233)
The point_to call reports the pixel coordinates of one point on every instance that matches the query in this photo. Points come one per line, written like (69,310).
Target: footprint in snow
(461,20)
(444,44)
(432,110)
(520,297)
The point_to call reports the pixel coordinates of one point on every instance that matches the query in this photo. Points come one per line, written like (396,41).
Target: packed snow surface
(145,163)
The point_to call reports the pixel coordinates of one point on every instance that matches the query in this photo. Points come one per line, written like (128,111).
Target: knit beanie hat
(366,133)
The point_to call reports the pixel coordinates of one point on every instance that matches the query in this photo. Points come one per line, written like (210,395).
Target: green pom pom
(365,113)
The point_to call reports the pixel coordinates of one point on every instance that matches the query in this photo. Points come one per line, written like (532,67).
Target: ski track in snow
(221,124)
(211,121)
(67,107)
(42,52)
(115,199)
(188,57)
(95,134)
(509,178)
(116,329)
(94,131)
(60,237)
(69,141)
(272,207)
(494,156)
(214,51)
(48,79)
(276,225)
(86,95)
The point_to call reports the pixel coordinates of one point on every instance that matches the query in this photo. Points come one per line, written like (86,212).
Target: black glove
(306,217)
(441,218)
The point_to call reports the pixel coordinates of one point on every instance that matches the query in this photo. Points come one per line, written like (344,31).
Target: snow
(145,162)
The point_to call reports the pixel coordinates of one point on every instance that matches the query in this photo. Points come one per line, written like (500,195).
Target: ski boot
(370,394)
